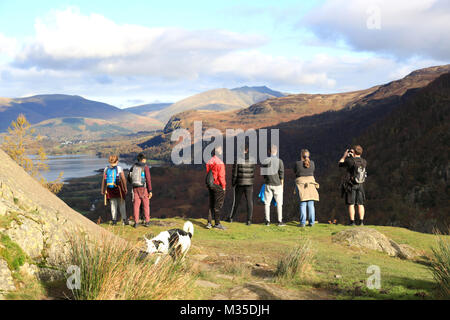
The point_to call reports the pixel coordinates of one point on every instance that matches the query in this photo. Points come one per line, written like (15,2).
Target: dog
(175,242)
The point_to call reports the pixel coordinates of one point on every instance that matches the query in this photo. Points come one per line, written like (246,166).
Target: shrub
(295,261)
(440,265)
(113,269)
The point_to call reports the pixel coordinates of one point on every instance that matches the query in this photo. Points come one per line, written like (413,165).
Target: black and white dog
(175,242)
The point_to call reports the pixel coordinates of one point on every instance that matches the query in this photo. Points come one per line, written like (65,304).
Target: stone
(372,239)
(6,279)
(365,238)
(3,208)
(29,269)
(50,275)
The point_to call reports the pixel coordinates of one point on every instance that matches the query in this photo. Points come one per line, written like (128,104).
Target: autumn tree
(19,142)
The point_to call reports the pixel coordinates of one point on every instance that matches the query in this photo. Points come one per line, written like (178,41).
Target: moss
(12,253)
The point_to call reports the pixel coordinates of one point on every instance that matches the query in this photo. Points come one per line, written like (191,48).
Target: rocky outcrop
(6,279)
(36,221)
(372,239)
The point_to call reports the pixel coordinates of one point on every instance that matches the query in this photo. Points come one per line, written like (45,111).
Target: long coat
(307,188)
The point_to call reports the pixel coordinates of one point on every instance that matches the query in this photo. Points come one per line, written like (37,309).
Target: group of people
(243,174)
(114,186)
(114,189)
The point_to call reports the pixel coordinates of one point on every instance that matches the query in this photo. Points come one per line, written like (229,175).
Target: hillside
(219,100)
(240,263)
(408,156)
(46,111)
(322,125)
(34,229)
(148,110)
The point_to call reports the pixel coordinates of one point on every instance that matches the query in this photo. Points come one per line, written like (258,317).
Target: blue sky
(132,52)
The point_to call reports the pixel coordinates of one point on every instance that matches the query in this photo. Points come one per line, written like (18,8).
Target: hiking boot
(229,219)
(209,225)
(361,224)
(219,226)
(281,224)
(301,225)
(248,223)
(267,223)
(114,222)
(125,222)
(136,225)
(147,224)
(352,224)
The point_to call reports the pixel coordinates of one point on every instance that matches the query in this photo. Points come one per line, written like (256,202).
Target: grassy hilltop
(240,263)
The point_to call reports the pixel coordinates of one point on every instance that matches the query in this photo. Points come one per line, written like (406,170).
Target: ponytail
(306,161)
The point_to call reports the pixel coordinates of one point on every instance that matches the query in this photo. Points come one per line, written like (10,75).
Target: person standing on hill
(216,184)
(306,187)
(140,179)
(353,183)
(274,185)
(242,182)
(114,188)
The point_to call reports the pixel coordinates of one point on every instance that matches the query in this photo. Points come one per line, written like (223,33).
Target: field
(240,262)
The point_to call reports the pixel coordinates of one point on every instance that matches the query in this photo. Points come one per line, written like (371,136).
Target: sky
(128,53)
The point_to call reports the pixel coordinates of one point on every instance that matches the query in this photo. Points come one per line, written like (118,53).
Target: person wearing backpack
(306,187)
(216,184)
(242,182)
(353,183)
(140,179)
(114,188)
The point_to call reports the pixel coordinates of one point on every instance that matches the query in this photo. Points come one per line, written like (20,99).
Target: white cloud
(8,45)
(408,28)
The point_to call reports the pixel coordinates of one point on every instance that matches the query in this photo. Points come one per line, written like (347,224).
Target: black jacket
(243,174)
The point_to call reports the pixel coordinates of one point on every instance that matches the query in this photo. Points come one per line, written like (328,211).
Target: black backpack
(209,179)
(359,171)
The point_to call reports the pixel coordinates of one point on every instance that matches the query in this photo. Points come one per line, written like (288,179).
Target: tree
(19,142)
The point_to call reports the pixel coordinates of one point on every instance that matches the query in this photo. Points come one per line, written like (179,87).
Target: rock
(3,208)
(206,284)
(50,275)
(337,276)
(262,265)
(29,269)
(6,279)
(405,251)
(365,238)
(372,239)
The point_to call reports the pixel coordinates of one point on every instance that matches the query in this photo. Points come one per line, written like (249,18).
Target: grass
(113,269)
(295,262)
(11,253)
(440,266)
(338,270)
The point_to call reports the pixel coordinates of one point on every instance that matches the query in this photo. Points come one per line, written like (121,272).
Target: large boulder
(37,220)
(372,239)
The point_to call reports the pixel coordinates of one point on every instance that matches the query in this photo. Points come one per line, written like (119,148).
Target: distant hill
(273,111)
(408,156)
(148,110)
(47,112)
(219,100)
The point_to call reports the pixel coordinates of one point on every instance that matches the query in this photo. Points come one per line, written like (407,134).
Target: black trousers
(216,198)
(238,192)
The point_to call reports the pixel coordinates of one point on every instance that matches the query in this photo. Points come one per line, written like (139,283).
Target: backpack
(359,171)
(209,179)
(112,177)
(137,176)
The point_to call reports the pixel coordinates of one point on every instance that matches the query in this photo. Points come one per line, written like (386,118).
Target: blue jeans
(311,211)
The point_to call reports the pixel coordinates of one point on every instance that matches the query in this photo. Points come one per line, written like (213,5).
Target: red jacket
(218,168)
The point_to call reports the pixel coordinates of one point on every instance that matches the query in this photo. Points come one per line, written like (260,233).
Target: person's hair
(141,157)
(113,159)
(306,161)
(358,149)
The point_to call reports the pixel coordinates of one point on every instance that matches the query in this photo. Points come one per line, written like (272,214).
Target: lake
(76,166)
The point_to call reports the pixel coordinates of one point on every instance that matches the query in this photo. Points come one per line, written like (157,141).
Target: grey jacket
(274,179)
